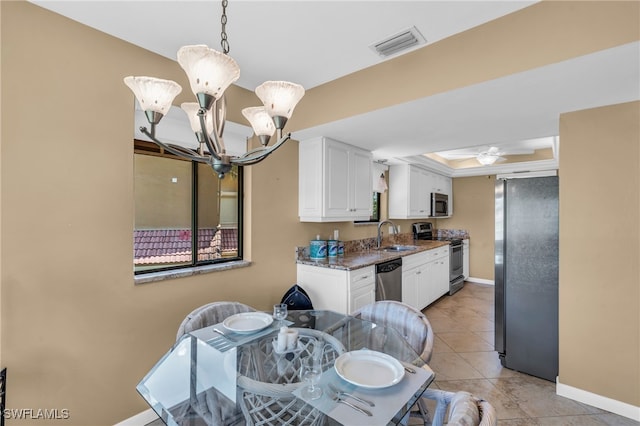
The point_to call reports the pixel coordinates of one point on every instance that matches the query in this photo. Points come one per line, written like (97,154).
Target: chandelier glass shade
(210,73)
(153,94)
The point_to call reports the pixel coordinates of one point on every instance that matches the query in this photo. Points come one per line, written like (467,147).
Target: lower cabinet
(425,277)
(338,290)
(414,276)
(441,273)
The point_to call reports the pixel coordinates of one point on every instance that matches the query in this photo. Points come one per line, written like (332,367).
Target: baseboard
(480,281)
(139,419)
(613,406)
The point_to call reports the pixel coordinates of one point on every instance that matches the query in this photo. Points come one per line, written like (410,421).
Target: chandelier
(210,73)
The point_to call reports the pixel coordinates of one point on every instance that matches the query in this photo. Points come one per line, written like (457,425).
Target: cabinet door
(425,285)
(360,183)
(361,297)
(439,184)
(441,277)
(327,288)
(310,171)
(430,182)
(410,287)
(419,193)
(336,191)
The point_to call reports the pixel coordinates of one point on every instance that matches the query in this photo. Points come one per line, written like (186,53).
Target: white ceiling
(313,42)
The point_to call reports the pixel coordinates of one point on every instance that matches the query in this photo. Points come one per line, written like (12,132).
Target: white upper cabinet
(335,183)
(410,189)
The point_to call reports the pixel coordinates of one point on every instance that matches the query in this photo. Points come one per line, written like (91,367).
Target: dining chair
(465,409)
(211,405)
(414,326)
(210,314)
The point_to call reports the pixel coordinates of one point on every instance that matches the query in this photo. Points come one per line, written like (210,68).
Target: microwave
(439,205)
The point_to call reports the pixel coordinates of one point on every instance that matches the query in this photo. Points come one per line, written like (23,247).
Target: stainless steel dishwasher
(389,280)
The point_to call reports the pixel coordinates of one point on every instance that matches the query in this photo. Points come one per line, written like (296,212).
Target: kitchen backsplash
(451,233)
(371,243)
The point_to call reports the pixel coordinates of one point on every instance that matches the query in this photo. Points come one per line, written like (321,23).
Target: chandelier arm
(207,140)
(259,154)
(179,151)
(218,125)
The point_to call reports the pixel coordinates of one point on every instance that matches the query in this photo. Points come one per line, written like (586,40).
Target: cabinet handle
(418,272)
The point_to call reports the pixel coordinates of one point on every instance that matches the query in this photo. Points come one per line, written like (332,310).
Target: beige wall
(600,251)
(474,210)
(76,332)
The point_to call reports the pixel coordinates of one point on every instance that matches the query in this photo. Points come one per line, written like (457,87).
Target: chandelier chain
(224,43)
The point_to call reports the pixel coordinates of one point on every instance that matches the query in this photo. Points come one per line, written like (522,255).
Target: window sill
(188,272)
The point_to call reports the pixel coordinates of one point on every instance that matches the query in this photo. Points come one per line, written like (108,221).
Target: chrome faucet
(395,230)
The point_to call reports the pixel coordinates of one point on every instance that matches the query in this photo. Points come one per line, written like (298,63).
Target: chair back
(210,314)
(465,409)
(408,321)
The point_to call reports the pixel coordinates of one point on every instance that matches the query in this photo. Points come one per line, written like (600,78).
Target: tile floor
(464,359)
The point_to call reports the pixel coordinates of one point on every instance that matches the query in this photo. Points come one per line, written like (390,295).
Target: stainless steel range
(424,231)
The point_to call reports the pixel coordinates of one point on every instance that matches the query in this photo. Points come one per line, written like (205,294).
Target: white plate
(369,369)
(247,322)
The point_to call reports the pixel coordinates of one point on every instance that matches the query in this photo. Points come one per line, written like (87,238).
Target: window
(182,208)
(375,215)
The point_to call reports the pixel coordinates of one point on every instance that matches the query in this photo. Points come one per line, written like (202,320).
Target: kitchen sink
(397,247)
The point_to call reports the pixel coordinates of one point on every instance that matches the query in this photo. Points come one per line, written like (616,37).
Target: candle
(292,339)
(282,340)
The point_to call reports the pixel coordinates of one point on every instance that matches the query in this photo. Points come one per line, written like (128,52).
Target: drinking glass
(280,311)
(310,372)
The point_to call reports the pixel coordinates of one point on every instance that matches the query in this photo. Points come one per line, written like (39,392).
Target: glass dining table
(370,375)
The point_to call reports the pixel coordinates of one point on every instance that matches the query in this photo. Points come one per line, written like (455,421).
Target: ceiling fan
(485,155)
(490,156)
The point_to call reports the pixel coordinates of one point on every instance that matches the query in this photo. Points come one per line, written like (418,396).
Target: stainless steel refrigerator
(526,275)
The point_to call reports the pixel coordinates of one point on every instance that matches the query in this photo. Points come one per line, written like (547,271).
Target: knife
(337,398)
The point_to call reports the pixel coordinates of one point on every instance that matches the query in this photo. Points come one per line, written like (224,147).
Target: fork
(224,335)
(357,398)
(335,397)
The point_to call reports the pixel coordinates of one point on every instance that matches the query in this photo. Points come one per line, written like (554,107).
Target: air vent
(399,42)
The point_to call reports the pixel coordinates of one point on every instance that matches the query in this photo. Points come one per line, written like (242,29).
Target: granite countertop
(360,259)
